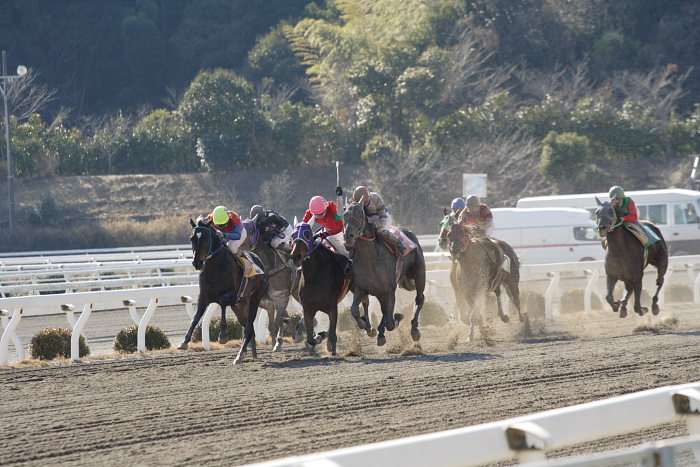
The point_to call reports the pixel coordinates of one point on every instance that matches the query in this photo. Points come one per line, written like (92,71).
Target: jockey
(377,214)
(478,216)
(274,229)
(626,211)
(325,213)
(229,224)
(457,206)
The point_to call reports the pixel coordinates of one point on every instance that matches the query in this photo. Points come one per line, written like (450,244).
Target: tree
(563,157)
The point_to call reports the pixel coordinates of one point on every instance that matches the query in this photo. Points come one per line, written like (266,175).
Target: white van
(548,235)
(674,211)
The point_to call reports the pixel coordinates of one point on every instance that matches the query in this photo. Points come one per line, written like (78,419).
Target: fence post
(143,324)
(9,333)
(77,331)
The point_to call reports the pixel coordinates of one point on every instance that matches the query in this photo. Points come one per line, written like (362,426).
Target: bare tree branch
(26,96)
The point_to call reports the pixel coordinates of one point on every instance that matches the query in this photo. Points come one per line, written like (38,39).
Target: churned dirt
(198,408)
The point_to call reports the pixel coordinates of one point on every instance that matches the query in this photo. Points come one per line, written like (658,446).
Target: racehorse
(323,283)
(477,274)
(282,282)
(445,224)
(376,271)
(220,282)
(625,259)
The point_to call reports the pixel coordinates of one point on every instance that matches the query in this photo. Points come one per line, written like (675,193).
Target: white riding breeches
(338,242)
(276,241)
(234,245)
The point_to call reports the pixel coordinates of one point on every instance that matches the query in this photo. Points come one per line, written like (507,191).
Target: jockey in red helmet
(325,214)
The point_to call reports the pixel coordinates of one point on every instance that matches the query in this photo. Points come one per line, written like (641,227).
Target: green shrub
(235,331)
(127,339)
(48,344)
(532,303)
(572,301)
(294,319)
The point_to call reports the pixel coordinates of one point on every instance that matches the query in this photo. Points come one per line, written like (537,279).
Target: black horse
(282,283)
(323,283)
(478,275)
(220,282)
(376,271)
(625,259)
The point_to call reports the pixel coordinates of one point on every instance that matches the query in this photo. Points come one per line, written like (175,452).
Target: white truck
(548,235)
(674,211)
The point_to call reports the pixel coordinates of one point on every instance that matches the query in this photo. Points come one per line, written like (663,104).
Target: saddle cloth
(407,242)
(250,269)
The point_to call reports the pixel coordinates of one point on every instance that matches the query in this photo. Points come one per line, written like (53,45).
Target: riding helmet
(616,192)
(457,203)
(220,215)
(257,211)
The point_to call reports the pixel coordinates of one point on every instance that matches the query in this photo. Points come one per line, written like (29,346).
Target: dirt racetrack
(198,408)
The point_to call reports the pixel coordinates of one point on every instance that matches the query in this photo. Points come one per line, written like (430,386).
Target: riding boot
(389,236)
(638,231)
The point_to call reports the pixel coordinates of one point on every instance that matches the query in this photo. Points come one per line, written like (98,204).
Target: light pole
(5,91)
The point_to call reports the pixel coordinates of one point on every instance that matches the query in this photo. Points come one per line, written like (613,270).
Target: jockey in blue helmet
(457,205)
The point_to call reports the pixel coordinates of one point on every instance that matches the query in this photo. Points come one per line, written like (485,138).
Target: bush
(235,330)
(294,319)
(432,314)
(572,301)
(127,339)
(532,303)
(48,344)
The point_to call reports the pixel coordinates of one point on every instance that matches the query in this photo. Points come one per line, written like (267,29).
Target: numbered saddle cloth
(409,244)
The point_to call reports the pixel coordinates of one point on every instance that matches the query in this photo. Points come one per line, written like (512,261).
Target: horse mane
(201,221)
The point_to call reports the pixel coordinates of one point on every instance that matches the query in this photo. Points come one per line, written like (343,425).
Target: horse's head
(605,217)
(445,224)
(303,243)
(457,238)
(355,223)
(205,242)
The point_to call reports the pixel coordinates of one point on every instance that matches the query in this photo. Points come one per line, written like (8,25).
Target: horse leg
(623,303)
(281,321)
(357,296)
(638,308)
(388,303)
(371,332)
(201,306)
(332,336)
(660,272)
(513,292)
(251,306)
(611,281)
(501,314)
(309,324)
(419,302)
(460,303)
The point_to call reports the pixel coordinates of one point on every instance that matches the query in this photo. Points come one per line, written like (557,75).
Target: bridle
(197,237)
(302,234)
(360,220)
(608,227)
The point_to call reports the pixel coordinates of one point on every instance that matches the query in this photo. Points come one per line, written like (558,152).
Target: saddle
(408,244)
(248,266)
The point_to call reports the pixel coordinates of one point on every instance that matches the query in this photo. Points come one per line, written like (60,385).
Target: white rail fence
(158,282)
(526,438)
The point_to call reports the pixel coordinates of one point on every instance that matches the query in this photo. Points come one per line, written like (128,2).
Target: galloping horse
(625,259)
(282,283)
(220,282)
(323,283)
(376,271)
(477,274)
(445,224)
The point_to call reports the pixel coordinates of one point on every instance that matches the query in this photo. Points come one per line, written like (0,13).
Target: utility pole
(5,91)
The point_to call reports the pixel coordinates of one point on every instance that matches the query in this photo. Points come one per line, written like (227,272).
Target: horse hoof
(505,318)
(361,323)
(381,340)
(397,318)
(182,346)
(415,334)
(278,346)
(237,360)
(372,333)
(623,312)
(642,311)
(655,309)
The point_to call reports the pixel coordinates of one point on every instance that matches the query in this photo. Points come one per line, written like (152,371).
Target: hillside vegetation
(545,96)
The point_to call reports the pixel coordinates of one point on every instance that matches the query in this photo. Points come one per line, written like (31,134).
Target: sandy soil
(198,408)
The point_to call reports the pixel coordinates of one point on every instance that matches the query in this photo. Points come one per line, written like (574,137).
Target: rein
(362,220)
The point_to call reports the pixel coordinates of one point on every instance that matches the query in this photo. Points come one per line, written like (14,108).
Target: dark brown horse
(323,283)
(220,282)
(625,260)
(376,271)
(478,275)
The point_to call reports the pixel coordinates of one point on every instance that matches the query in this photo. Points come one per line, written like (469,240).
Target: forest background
(137,114)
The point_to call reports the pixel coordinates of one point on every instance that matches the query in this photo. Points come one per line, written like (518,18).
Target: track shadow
(327,361)
(546,337)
